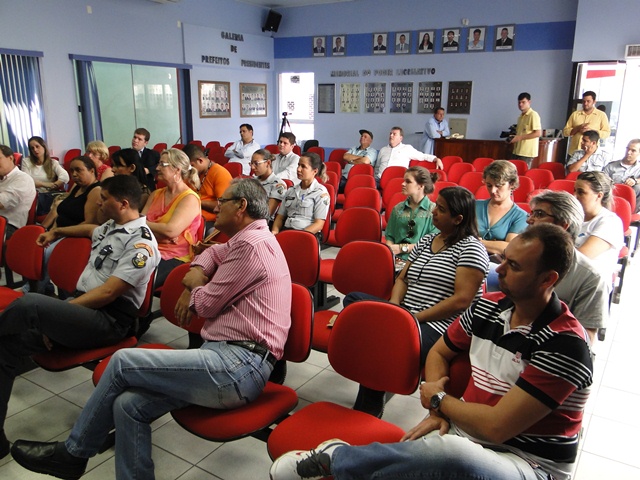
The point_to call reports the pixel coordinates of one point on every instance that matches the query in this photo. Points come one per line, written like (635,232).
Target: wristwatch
(404,248)
(434,403)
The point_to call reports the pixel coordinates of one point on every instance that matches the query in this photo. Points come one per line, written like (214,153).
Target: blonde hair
(178,159)
(98,148)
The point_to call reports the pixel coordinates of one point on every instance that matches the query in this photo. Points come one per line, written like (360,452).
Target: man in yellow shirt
(528,130)
(589,118)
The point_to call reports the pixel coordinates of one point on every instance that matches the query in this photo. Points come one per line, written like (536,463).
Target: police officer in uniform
(111,289)
(261,166)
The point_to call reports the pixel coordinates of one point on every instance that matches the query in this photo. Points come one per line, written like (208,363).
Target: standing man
(589,118)
(285,164)
(109,292)
(243,290)
(627,170)
(436,127)
(528,130)
(402,46)
(241,151)
(589,158)
(397,153)
(521,413)
(17,192)
(272,184)
(148,156)
(214,180)
(363,153)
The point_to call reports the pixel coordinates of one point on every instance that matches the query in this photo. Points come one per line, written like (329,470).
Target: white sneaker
(312,464)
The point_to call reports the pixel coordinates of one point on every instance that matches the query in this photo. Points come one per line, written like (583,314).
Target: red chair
(361,332)
(559,185)
(318,150)
(521,166)
(439,186)
(196,142)
(389,173)
(555,167)
(302,252)
(441,174)
(360,169)
(355,181)
(541,177)
(397,198)
(234,168)
(458,169)
(332,198)
(359,197)
(482,193)
(572,175)
(481,163)
(422,163)
(334,180)
(212,144)
(627,192)
(160,147)
(17,159)
(272,148)
(288,182)
(622,208)
(472,181)
(393,186)
(521,194)
(113,149)
(356,223)
(360,266)
(525,206)
(334,167)
(336,156)
(297,150)
(179,146)
(449,160)
(70,155)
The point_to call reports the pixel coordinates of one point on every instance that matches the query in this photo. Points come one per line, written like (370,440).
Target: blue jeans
(140,385)
(433,457)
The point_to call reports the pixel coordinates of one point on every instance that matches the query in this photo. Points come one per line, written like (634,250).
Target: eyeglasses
(411,224)
(255,164)
(222,201)
(164,164)
(540,214)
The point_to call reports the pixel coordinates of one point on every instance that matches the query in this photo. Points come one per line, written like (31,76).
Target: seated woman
(411,220)
(500,220)
(99,153)
(443,276)
(305,206)
(47,173)
(127,162)
(601,236)
(173,212)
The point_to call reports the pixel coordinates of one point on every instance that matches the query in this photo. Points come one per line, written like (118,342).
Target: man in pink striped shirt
(243,289)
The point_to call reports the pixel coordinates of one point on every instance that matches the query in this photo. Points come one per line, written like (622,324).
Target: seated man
(243,290)
(285,163)
(214,180)
(109,292)
(627,170)
(589,158)
(241,151)
(532,370)
(363,153)
(276,189)
(17,191)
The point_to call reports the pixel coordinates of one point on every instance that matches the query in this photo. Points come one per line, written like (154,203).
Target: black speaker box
(273,21)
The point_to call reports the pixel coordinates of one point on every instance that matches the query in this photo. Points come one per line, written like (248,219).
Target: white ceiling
(290,3)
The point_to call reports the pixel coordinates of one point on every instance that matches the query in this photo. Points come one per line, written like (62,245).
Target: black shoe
(370,401)
(279,372)
(5,446)
(51,458)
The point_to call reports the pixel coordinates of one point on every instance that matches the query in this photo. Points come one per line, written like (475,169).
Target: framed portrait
(476,39)
(326,98)
(459,100)
(339,45)
(350,98)
(375,97)
(403,42)
(450,40)
(505,37)
(253,99)
(429,96)
(401,97)
(425,41)
(379,43)
(214,99)
(319,47)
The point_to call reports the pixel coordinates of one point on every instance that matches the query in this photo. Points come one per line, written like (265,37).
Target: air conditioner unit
(632,51)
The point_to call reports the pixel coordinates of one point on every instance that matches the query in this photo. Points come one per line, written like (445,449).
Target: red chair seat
(62,358)
(306,432)
(7,296)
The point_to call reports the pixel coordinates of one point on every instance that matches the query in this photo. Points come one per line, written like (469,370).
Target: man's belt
(256,348)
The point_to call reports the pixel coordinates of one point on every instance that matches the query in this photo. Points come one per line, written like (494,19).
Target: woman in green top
(411,219)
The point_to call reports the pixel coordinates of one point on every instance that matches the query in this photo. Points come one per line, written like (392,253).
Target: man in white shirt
(285,164)
(589,158)
(241,151)
(17,191)
(399,154)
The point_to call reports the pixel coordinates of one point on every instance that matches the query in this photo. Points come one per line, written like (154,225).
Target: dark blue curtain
(89,101)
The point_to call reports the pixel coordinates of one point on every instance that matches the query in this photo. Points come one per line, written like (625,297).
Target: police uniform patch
(280,189)
(146,247)
(146,233)
(139,260)
(325,199)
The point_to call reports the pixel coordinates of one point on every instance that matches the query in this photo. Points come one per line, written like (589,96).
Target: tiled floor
(44,406)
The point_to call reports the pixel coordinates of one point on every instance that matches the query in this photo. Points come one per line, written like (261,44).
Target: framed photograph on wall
(339,45)
(253,99)
(403,42)
(214,99)
(350,98)
(425,39)
(318,47)
(450,40)
(326,98)
(429,96)
(401,97)
(379,44)
(459,100)
(476,39)
(375,97)
(505,36)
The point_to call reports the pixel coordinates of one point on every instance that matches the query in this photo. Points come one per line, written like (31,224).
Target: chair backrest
(626,192)
(356,181)
(472,181)
(555,167)
(572,175)
(521,166)
(559,185)
(67,262)
(458,169)
(234,168)
(288,182)
(364,197)
(310,144)
(525,206)
(526,186)
(449,160)
(297,150)
(397,198)
(3,226)
(332,166)
(364,266)
(360,169)
(482,193)
(365,329)
(391,172)
(217,155)
(22,255)
(481,162)
(228,145)
(171,291)
(621,207)
(160,147)
(113,149)
(298,345)
(441,174)
(336,156)
(332,197)
(439,186)
(422,163)
(212,144)
(302,251)
(334,179)
(196,142)
(70,155)
(393,186)
(540,176)
(31,216)
(273,148)
(358,223)
(179,146)
(318,150)
(326,228)
(17,159)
